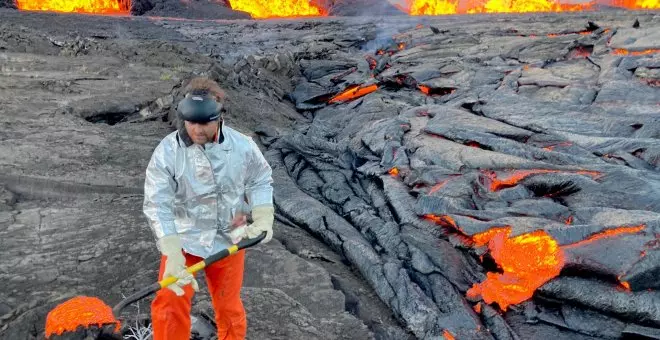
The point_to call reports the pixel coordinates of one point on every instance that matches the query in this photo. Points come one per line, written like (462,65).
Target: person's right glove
(262,220)
(175,264)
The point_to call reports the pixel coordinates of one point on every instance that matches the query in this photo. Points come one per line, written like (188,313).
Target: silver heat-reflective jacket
(196,191)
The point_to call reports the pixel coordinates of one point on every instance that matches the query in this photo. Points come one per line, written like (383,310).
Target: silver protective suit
(195,191)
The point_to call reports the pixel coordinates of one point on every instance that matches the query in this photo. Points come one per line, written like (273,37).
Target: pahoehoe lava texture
(550,128)
(459,142)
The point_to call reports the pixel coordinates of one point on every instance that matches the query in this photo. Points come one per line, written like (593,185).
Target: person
(197,182)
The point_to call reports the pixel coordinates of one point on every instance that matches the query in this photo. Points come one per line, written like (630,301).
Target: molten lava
(277,8)
(433,7)
(432,91)
(447,335)
(637,4)
(79,311)
(79,6)
(527,261)
(608,233)
(353,92)
(443,220)
(516,176)
(625,285)
(394,172)
(621,51)
(440,7)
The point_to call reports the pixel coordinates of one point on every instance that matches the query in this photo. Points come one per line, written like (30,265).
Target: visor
(199,107)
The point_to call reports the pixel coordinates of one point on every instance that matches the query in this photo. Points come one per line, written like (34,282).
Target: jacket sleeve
(159,189)
(258,187)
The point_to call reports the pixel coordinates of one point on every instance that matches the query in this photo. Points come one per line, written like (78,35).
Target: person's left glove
(262,220)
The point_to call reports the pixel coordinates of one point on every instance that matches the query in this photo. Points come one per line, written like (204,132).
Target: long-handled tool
(246,243)
(70,314)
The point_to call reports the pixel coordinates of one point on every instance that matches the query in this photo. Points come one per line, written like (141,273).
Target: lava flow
(277,8)
(518,175)
(440,7)
(608,233)
(353,92)
(433,7)
(527,261)
(80,311)
(621,51)
(78,6)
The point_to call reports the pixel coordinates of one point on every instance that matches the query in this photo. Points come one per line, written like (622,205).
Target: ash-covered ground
(506,158)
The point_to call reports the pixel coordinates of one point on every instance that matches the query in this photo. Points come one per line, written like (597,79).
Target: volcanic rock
(71,204)
(186,9)
(7,4)
(362,8)
(460,159)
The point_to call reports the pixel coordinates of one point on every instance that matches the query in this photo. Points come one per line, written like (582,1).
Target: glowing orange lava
(527,261)
(431,91)
(79,311)
(353,92)
(477,308)
(637,4)
(608,233)
(518,175)
(394,172)
(484,238)
(79,6)
(433,7)
(277,8)
(440,7)
(443,220)
(425,89)
(625,285)
(447,335)
(621,51)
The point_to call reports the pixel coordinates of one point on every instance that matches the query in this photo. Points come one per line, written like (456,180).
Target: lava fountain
(76,6)
(261,9)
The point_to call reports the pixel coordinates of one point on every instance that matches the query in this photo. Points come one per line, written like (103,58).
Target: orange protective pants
(170,314)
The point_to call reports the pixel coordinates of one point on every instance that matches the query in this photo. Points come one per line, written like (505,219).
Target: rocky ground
(401,185)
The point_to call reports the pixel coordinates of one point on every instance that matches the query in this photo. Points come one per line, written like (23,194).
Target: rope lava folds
(79,311)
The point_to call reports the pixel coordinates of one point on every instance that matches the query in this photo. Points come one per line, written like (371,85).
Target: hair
(206,84)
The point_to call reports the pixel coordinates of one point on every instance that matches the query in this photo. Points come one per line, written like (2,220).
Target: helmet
(200,107)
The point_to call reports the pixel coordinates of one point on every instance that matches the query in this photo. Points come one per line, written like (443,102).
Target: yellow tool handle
(200,265)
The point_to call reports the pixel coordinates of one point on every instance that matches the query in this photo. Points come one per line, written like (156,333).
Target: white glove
(262,217)
(175,264)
